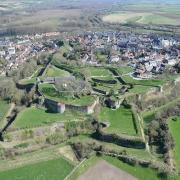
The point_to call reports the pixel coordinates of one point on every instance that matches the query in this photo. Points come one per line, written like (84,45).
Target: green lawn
(97,71)
(4,107)
(56,72)
(138,89)
(174,128)
(120,120)
(124,70)
(32,117)
(137,171)
(152,82)
(56,169)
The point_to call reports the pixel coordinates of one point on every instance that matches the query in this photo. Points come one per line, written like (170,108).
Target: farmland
(141,18)
(145,14)
(52,169)
(137,171)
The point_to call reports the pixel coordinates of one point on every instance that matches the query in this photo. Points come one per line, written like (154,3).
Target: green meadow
(33,117)
(55,169)
(121,121)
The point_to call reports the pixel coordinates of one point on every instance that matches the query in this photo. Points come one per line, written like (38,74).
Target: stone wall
(54,106)
(26,87)
(104,81)
(58,107)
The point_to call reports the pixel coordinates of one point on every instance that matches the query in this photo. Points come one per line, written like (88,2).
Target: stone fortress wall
(58,107)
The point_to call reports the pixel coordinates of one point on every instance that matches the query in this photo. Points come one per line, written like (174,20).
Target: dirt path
(69,175)
(141,124)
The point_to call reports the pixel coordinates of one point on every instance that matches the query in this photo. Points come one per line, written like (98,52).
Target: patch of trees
(85,149)
(159,135)
(10,93)
(7,89)
(29,67)
(158,99)
(177,67)
(56,138)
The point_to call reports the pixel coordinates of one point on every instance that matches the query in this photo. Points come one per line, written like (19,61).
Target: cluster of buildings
(17,50)
(148,54)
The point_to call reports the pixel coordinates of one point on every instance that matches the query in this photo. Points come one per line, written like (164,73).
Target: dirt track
(105,171)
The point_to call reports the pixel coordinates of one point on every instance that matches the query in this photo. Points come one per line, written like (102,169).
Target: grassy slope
(53,169)
(148,116)
(94,71)
(124,70)
(137,153)
(137,171)
(3,109)
(32,117)
(55,72)
(174,128)
(120,120)
(153,82)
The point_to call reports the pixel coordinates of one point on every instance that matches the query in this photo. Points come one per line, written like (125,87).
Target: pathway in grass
(56,169)
(120,120)
(174,128)
(32,117)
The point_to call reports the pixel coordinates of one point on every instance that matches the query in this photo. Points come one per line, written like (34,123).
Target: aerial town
(147,54)
(89,90)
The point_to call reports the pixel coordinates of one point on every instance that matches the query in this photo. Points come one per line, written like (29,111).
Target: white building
(12,51)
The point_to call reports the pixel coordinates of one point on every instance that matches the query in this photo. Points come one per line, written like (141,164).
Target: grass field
(32,117)
(4,107)
(53,169)
(124,70)
(145,14)
(95,71)
(137,171)
(174,128)
(138,89)
(120,120)
(151,82)
(56,72)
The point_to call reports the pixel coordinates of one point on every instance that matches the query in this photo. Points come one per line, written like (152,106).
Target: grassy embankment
(4,107)
(33,117)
